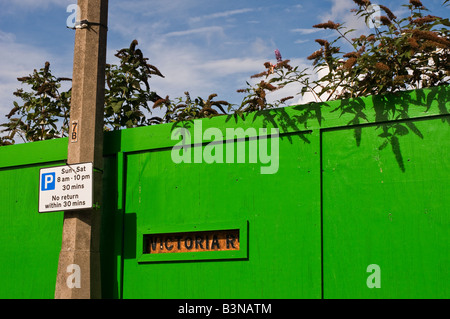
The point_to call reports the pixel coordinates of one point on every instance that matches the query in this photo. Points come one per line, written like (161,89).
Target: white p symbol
(48,180)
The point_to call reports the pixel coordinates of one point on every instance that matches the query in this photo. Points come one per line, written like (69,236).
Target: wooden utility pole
(79,260)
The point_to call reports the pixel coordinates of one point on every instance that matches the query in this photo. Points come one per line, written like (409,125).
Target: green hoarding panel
(388,208)
(356,199)
(29,242)
(283,258)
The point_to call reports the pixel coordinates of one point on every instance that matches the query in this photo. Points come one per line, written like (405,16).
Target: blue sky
(201,46)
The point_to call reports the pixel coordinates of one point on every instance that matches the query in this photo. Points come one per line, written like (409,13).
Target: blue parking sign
(48,182)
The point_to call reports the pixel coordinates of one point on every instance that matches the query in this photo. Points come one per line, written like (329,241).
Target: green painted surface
(375,212)
(284,224)
(368,206)
(29,242)
(33,153)
(110,231)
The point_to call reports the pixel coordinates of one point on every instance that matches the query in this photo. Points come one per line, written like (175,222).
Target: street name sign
(67,187)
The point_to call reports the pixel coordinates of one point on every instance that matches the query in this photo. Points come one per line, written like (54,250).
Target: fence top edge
(290,119)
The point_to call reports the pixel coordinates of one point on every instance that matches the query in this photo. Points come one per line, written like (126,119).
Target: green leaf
(117,106)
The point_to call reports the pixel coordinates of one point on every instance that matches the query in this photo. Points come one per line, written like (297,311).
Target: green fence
(346,199)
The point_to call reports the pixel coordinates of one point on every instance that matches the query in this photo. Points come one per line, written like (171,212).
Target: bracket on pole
(85,24)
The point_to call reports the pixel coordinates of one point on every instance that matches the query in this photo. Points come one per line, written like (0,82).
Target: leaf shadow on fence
(394,115)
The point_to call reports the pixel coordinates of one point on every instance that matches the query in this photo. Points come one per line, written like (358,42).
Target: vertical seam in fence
(119,242)
(321,212)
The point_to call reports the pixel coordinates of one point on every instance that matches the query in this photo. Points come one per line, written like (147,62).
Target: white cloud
(189,68)
(38,3)
(306,31)
(150,19)
(340,13)
(224,14)
(309,96)
(6,37)
(260,47)
(205,30)
(180,67)
(18,60)
(192,55)
(154,8)
(10,6)
(298,7)
(224,67)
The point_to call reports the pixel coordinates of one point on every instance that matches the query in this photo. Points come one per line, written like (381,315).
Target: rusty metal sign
(191,242)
